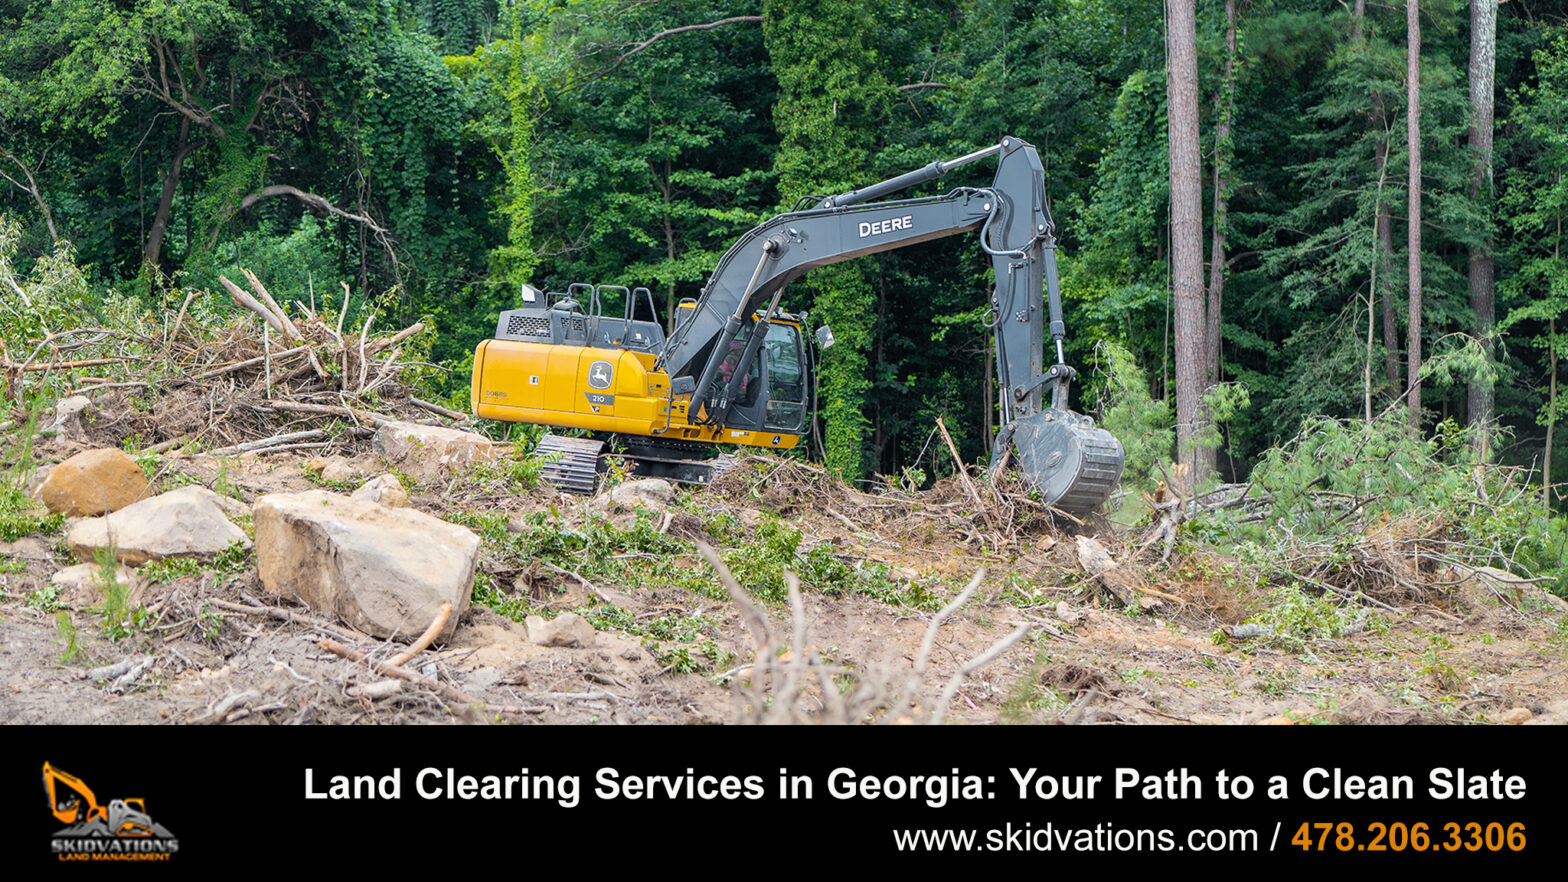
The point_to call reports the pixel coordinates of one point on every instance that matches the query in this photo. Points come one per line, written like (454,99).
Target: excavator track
(572,464)
(676,461)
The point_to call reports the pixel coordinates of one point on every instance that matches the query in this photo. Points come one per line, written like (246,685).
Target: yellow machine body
(586,387)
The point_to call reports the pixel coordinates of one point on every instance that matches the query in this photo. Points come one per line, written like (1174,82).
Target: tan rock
(1069,617)
(385,571)
(93,482)
(384,489)
(1513,716)
(651,492)
(566,629)
(81,587)
(432,451)
(188,522)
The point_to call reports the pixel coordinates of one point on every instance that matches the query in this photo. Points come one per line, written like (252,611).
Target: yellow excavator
(75,804)
(737,370)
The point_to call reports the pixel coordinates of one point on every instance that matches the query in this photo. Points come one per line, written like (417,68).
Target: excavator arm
(1016,231)
(1076,465)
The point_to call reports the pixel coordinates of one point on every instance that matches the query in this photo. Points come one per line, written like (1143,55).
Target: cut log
(1121,579)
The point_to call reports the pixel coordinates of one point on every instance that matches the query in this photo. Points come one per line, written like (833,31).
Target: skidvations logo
(119,831)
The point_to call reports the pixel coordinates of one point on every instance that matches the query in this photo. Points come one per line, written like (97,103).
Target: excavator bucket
(1075,464)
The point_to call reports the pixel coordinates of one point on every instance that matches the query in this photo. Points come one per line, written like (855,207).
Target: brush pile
(295,379)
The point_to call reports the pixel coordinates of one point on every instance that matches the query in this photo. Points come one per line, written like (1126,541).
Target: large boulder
(431,451)
(93,482)
(188,522)
(382,570)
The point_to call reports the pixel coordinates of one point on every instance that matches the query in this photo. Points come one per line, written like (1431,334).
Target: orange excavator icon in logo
(74,804)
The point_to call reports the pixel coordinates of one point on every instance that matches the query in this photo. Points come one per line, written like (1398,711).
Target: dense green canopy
(436,153)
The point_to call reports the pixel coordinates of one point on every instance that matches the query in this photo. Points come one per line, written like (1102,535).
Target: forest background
(436,154)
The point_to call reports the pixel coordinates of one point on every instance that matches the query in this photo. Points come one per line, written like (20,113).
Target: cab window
(786,379)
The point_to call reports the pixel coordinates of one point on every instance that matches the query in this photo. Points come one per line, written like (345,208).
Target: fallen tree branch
(289,616)
(318,205)
(669,32)
(426,638)
(445,690)
(437,409)
(375,419)
(275,440)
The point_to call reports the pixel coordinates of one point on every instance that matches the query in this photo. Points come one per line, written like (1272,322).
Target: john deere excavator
(736,370)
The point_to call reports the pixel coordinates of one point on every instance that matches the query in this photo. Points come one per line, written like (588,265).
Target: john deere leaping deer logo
(119,831)
(600,373)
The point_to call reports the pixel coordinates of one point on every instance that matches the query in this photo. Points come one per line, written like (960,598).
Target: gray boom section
(1017,231)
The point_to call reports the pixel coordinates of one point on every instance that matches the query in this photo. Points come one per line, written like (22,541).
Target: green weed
(171,568)
(113,591)
(46,599)
(66,630)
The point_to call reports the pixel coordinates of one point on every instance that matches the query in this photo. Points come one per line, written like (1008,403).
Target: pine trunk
(1186,230)
(1224,108)
(1413,143)
(1483,283)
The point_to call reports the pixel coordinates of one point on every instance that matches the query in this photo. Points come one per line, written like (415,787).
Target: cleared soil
(1456,656)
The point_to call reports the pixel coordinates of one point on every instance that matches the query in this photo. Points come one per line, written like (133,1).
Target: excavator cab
(774,389)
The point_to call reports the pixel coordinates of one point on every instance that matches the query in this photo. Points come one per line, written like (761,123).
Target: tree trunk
(171,182)
(1413,142)
(1385,246)
(1551,422)
(1224,108)
(665,187)
(1385,228)
(1483,283)
(32,189)
(1186,231)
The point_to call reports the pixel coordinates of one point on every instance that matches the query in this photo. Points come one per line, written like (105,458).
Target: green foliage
(114,592)
(759,565)
(66,630)
(1145,427)
(171,568)
(46,599)
(832,92)
(209,623)
(20,515)
(1293,617)
(1382,473)
(1536,204)
(234,560)
(222,483)
(516,259)
(296,264)
(455,148)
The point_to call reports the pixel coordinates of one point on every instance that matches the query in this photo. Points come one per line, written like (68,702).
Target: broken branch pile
(297,379)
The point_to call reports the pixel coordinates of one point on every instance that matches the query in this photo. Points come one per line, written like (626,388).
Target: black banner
(403,798)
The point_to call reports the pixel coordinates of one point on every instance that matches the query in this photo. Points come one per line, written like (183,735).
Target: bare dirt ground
(1458,658)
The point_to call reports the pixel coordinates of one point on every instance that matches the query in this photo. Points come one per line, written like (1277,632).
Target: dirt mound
(1074,678)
